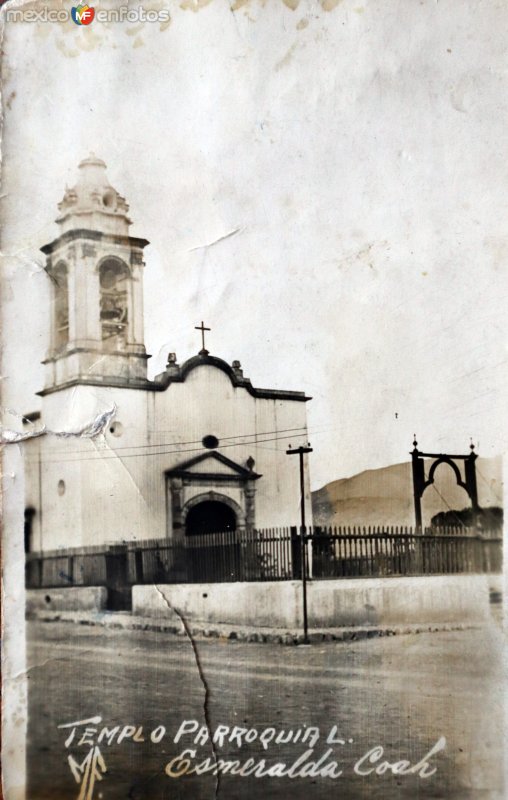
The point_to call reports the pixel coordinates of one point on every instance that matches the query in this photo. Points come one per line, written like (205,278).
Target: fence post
(296,554)
(419,540)
(138,566)
(69,575)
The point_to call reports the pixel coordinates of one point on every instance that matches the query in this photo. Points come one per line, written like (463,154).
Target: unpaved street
(402,693)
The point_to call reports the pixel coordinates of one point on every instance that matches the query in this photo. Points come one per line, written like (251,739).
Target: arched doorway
(210,516)
(212,546)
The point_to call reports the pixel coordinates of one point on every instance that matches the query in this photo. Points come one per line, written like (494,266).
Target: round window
(116,428)
(61,487)
(211,442)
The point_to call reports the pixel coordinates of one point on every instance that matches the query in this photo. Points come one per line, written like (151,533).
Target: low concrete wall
(72,598)
(369,601)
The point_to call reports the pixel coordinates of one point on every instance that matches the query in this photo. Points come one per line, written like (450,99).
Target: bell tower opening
(114,278)
(61,305)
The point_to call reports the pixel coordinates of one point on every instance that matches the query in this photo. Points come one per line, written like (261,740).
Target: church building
(194,450)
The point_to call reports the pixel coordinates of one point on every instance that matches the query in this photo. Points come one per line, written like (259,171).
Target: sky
(357,157)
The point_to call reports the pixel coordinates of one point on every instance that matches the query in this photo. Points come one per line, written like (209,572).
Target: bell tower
(96,271)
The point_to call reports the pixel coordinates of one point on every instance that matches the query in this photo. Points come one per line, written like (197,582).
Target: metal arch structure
(466,481)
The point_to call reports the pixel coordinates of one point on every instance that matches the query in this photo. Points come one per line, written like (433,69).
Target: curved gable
(177,374)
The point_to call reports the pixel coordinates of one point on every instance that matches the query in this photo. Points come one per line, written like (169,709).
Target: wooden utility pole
(303,534)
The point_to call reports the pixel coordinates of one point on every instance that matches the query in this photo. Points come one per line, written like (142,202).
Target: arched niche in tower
(61,307)
(114,279)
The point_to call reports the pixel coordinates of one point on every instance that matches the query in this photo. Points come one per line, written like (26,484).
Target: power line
(294,431)
(190,441)
(97,456)
(461,524)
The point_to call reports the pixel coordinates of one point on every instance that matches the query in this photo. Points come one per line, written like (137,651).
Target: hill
(385,496)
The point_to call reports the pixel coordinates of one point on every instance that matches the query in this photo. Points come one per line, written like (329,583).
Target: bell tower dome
(96,270)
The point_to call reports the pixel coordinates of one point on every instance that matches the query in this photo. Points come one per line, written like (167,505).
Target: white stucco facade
(152,464)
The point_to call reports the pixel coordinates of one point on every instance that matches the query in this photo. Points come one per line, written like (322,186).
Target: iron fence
(270,554)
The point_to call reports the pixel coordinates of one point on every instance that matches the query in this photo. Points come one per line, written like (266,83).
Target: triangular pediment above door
(212,464)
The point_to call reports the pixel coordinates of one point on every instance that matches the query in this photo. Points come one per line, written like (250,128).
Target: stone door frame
(214,487)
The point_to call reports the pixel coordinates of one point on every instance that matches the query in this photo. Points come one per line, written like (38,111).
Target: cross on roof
(203,351)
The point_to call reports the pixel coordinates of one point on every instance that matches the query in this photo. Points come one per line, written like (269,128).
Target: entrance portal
(213,552)
(210,516)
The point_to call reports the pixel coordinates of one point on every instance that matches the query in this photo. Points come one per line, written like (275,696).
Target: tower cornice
(178,374)
(96,236)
